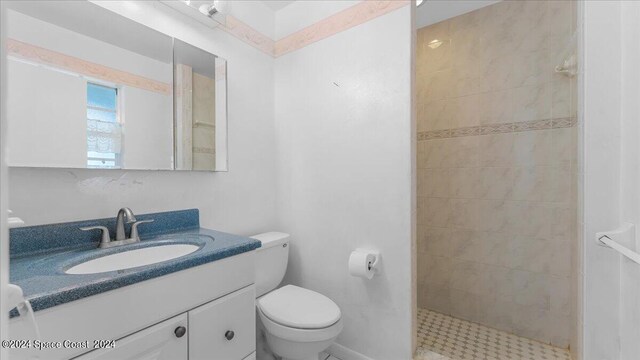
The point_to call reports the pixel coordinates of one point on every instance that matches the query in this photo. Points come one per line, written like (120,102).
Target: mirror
(88,88)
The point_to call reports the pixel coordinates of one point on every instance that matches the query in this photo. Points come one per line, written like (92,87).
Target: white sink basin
(133,258)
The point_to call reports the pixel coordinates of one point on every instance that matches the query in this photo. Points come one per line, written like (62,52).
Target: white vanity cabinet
(223,329)
(208,300)
(163,341)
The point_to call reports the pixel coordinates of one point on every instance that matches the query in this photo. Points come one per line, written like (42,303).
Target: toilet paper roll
(360,264)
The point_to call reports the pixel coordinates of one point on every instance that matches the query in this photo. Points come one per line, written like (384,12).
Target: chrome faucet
(122,213)
(121,238)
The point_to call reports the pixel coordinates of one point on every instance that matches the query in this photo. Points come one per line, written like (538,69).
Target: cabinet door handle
(180,331)
(229,334)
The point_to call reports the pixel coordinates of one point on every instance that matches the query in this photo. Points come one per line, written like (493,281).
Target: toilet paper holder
(376,260)
(364,263)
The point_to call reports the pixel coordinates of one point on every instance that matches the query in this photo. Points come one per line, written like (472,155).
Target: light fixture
(419,2)
(217,6)
(434,44)
(212,10)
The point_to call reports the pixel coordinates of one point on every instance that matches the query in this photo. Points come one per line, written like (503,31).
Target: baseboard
(344,353)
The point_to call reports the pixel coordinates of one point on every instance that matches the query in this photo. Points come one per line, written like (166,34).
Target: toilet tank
(271,261)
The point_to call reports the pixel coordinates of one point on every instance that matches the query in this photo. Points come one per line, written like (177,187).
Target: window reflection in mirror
(99,93)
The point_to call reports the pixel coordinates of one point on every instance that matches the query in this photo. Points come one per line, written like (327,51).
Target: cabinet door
(224,329)
(159,342)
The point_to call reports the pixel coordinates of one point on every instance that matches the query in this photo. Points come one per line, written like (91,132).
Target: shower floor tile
(442,337)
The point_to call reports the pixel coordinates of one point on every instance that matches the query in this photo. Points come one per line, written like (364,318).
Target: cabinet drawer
(158,342)
(224,329)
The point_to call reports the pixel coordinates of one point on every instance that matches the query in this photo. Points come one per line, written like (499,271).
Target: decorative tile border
(249,35)
(44,56)
(204,150)
(336,23)
(499,128)
(355,15)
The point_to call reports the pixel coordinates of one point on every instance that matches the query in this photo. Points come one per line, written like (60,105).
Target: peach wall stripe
(249,35)
(341,21)
(49,57)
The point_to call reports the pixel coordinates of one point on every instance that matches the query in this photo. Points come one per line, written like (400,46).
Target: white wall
(630,271)
(343,130)
(240,201)
(601,177)
(611,175)
(4,234)
(55,130)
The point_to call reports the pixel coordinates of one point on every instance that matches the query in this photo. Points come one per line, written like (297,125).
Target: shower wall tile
(497,168)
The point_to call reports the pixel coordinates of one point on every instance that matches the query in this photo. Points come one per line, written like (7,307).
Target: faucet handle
(134,228)
(105,232)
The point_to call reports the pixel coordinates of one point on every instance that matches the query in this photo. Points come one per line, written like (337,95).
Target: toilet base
(291,350)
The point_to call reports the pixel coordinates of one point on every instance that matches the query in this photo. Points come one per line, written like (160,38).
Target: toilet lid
(300,308)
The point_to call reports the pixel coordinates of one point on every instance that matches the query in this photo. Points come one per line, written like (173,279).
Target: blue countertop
(42,277)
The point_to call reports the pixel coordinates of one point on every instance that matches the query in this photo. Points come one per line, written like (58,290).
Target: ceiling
(433,11)
(276,5)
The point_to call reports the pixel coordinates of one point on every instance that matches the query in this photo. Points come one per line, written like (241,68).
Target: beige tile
(564,146)
(464,182)
(527,253)
(496,182)
(436,298)
(438,242)
(496,247)
(532,183)
(497,107)
(436,58)
(560,19)
(434,86)
(497,73)
(532,148)
(530,32)
(465,305)
(465,276)
(528,218)
(561,98)
(437,212)
(467,245)
(563,221)
(531,68)
(561,183)
(464,151)
(436,271)
(560,295)
(464,214)
(467,110)
(531,289)
(498,150)
(433,182)
(437,115)
(532,102)
(560,257)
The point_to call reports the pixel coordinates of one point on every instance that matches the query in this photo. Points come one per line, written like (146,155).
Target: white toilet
(299,323)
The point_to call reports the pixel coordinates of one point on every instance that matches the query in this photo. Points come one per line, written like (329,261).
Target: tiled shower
(497,168)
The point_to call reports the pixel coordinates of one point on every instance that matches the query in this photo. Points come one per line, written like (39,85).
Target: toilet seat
(297,314)
(299,308)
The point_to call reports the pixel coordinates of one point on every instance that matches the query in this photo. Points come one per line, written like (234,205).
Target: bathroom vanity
(196,306)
